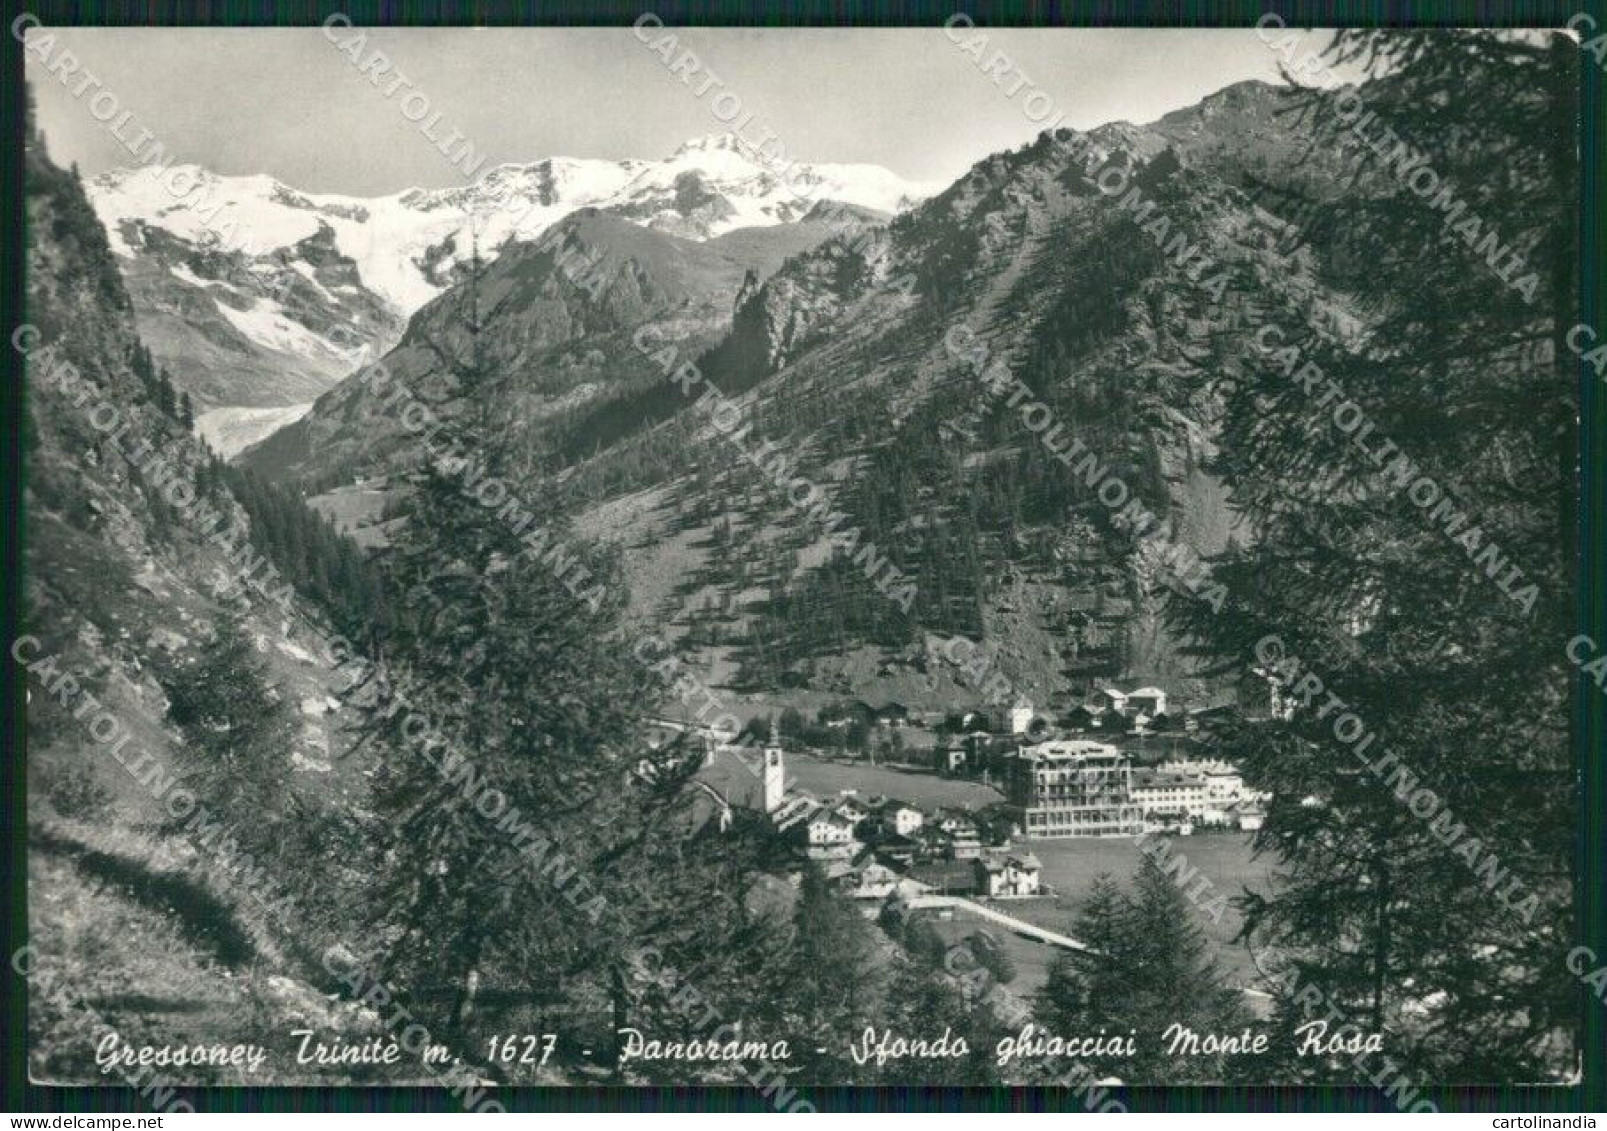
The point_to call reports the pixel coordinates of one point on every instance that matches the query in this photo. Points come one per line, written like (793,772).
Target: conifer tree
(1146,969)
(925,1003)
(510,660)
(1424,862)
(166,399)
(832,988)
(237,732)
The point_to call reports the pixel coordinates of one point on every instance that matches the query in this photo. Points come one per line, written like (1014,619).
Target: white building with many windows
(1163,791)
(898,817)
(1074,788)
(1226,795)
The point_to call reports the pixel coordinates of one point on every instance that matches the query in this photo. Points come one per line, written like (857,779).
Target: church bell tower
(775,772)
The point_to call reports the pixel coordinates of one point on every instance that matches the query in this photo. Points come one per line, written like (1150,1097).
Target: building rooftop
(996,861)
(1069,750)
(737,775)
(948,875)
(1153,779)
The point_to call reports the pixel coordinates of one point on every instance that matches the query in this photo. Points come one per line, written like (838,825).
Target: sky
(290,104)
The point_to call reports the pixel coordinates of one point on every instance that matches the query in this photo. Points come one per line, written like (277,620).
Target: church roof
(736,774)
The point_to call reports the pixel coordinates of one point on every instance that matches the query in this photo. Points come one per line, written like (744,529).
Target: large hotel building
(1075,788)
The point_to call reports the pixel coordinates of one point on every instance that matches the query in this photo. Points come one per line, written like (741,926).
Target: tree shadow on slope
(198,912)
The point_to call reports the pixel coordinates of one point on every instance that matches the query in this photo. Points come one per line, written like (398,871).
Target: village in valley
(985,825)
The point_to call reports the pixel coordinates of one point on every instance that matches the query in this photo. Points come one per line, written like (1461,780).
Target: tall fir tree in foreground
(534,842)
(1428,899)
(237,733)
(832,984)
(1147,969)
(533,709)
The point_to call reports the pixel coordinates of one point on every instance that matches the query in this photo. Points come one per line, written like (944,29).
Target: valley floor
(1070,866)
(1225,859)
(827,777)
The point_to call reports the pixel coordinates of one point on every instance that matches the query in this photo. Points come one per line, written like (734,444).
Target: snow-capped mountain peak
(406,245)
(711,143)
(244,284)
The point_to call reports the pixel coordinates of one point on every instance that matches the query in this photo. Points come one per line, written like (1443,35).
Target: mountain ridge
(841,358)
(572,300)
(255,294)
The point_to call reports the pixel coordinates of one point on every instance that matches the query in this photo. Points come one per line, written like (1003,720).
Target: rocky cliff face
(241,331)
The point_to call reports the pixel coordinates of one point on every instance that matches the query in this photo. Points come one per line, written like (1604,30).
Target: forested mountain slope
(862,360)
(183,734)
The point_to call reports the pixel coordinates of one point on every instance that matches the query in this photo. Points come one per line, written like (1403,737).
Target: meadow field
(1071,866)
(927,791)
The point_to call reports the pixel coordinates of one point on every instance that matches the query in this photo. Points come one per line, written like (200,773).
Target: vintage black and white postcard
(789,557)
